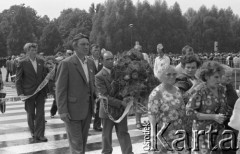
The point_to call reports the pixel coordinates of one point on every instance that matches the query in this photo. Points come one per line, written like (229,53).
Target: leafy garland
(133,77)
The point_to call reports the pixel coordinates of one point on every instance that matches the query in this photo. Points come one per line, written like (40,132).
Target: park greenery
(116,24)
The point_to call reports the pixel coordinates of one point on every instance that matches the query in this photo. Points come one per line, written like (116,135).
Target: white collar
(32,60)
(84,61)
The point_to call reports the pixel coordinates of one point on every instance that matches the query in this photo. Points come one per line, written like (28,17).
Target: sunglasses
(33,45)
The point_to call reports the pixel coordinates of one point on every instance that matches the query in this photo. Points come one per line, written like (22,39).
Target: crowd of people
(194,93)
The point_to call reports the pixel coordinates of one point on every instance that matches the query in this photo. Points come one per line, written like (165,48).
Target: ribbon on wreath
(104,100)
(40,87)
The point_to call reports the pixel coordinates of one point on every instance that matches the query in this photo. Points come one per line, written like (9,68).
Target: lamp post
(131,27)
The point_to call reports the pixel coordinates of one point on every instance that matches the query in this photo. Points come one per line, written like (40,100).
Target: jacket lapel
(107,78)
(39,68)
(79,67)
(90,71)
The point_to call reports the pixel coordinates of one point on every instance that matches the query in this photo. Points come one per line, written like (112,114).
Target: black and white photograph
(119,77)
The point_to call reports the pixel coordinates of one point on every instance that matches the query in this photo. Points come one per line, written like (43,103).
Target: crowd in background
(179,91)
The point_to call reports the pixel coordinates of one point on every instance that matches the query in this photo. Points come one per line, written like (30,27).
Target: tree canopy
(117,24)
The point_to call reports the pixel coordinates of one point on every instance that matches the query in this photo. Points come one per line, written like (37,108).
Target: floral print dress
(168,108)
(204,101)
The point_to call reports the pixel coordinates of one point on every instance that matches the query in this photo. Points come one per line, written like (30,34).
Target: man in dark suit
(30,73)
(103,85)
(75,93)
(8,67)
(95,56)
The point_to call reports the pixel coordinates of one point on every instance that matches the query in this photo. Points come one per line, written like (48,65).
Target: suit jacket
(13,66)
(27,80)
(100,65)
(8,65)
(231,95)
(73,92)
(103,87)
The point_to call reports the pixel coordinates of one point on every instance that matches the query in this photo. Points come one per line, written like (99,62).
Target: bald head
(107,53)
(108,59)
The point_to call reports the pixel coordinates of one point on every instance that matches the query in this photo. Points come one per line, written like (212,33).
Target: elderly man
(29,75)
(103,85)
(75,93)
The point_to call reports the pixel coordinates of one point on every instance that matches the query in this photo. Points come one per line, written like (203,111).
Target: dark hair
(209,68)
(186,48)
(190,59)
(27,46)
(77,37)
(95,45)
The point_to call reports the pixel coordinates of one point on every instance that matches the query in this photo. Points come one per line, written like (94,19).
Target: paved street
(15,138)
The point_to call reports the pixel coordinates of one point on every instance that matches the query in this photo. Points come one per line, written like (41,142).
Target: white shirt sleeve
(155,68)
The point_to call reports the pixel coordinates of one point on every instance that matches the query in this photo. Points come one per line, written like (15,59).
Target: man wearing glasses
(74,93)
(29,75)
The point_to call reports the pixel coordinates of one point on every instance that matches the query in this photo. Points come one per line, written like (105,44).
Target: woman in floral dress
(166,106)
(208,105)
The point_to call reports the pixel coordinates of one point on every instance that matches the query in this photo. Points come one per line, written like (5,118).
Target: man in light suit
(103,86)
(75,93)
(95,56)
(29,75)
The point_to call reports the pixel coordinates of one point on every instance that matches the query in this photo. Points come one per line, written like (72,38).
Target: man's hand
(65,117)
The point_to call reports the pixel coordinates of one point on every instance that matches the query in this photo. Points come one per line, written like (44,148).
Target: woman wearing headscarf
(208,105)
(165,107)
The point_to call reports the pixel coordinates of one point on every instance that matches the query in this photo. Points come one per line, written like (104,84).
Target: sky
(52,8)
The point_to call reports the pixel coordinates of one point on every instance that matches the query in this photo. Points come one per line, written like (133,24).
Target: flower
(178,94)
(198,104)
(180,121)
(173,115)
(134,75)
(208,102)
(126,77)
(167,96)
(175,101)
(164,107)
(156,102)
(171,134)
(154,108)
(153,93)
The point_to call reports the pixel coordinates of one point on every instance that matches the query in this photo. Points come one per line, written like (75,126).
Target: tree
(50,39)
(97,33)
(3,46)
(21,32)
(71,22)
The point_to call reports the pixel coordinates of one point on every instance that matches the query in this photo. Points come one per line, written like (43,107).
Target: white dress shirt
(85,67)
(34,63)
(158,63)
